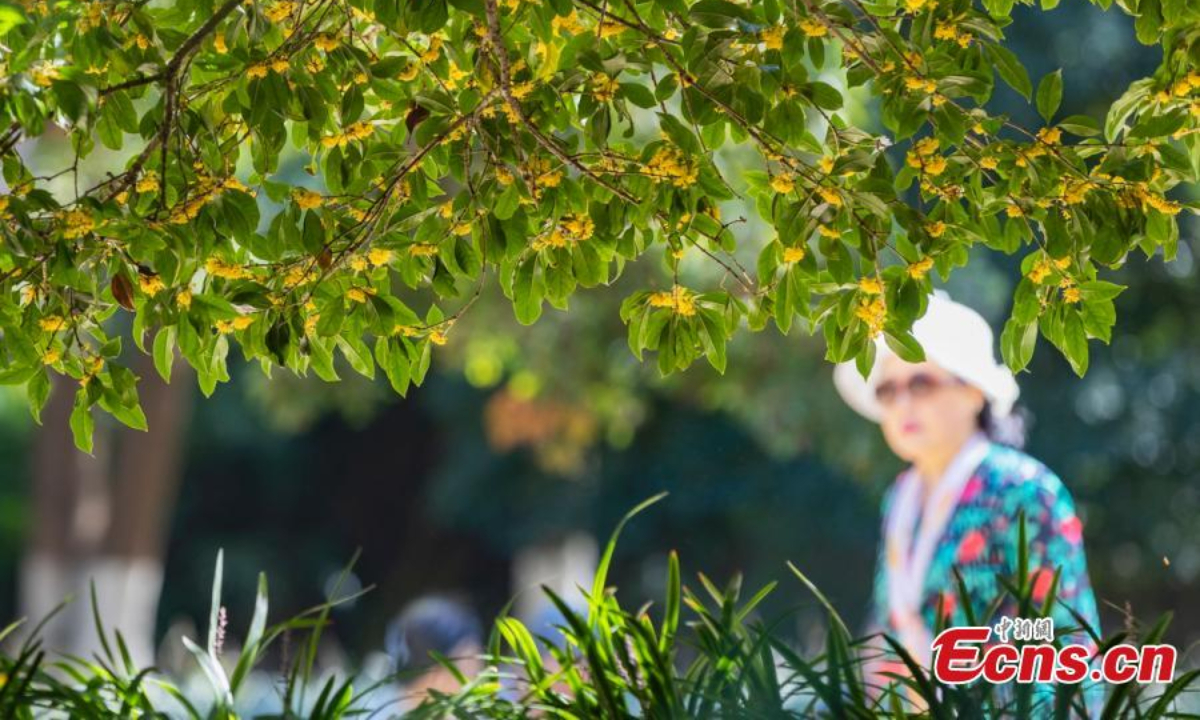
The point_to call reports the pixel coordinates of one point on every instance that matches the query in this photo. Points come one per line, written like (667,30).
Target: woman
(956,505)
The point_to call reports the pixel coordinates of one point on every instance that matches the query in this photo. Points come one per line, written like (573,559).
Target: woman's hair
(1008,430)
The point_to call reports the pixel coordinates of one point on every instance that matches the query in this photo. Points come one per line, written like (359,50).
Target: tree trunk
(103,519)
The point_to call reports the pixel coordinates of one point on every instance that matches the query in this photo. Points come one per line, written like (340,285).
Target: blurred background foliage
(524,435)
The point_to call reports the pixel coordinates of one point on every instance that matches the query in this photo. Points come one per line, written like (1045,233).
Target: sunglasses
(919,385)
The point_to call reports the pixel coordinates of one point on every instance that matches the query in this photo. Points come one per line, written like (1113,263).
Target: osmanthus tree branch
(501,54)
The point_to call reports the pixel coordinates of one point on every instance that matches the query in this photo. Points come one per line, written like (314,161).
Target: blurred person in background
(440,624)
(956,505)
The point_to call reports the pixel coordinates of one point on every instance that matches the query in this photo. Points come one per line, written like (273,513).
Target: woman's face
(932,420)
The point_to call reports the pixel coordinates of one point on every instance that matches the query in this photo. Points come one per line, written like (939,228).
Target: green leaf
(164,351)
(82,424)
(1049,94)
(1011,70)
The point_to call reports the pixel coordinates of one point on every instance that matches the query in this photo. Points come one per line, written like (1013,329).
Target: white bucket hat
(956,338)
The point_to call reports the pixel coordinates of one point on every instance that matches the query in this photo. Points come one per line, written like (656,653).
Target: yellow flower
(358,263)
(828,232)
(422,249)
(379,256)
(151,284)
(280,10)
(326,42)
(257,70)
(772,37)
(44,73)
(935,165)
(679,299)
(437,337)
(988,162)
(1050,136)
(1014,210)
(184,298)
(783,183)
(242,322)
(461,228)
(915,6)
(870,285)
(793,254)
(830,196)
(1071,295)
(873,312)
(669,163)
(358,295)
(920,268)
(813,27)
(1040,270)
(579,226)
(307,199)
(51,356)
(926,85)
(604,87)
(78,223)
(826,164)
(219,44)
(936,229)
(279,65)
(148,182)
(219,268)
(52,323)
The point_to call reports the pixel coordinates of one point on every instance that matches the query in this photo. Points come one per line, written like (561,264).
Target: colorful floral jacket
(981,540)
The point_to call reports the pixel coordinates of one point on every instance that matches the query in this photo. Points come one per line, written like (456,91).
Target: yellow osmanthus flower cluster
(52,323)
(826,231)
(794,254)
(813,27)
(44,73)
(184,298)
(678,298)
(280,10)
(151,284)
(872,310)
(1044,266)
(870,285)
(360,294)
(951,32)
(355,131)
(920,268)
(924,84)
(217,267)
(830,195)
(326,42)
(916,6)
(572,228)
(923,156)
(300,274)
(772,37)
(540,174)
(670,163)
(147,183)
(1050,135)
(307,199)
(241,322)
(783,183)
(936,229)
(422,249)
(77,223)
(604,87)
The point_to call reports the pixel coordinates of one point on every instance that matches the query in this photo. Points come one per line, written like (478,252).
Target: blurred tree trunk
(104,518)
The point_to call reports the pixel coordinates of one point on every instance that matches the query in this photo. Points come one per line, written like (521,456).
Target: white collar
(908,562)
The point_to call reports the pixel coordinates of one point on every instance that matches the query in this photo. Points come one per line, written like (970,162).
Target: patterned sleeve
(1054,534)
